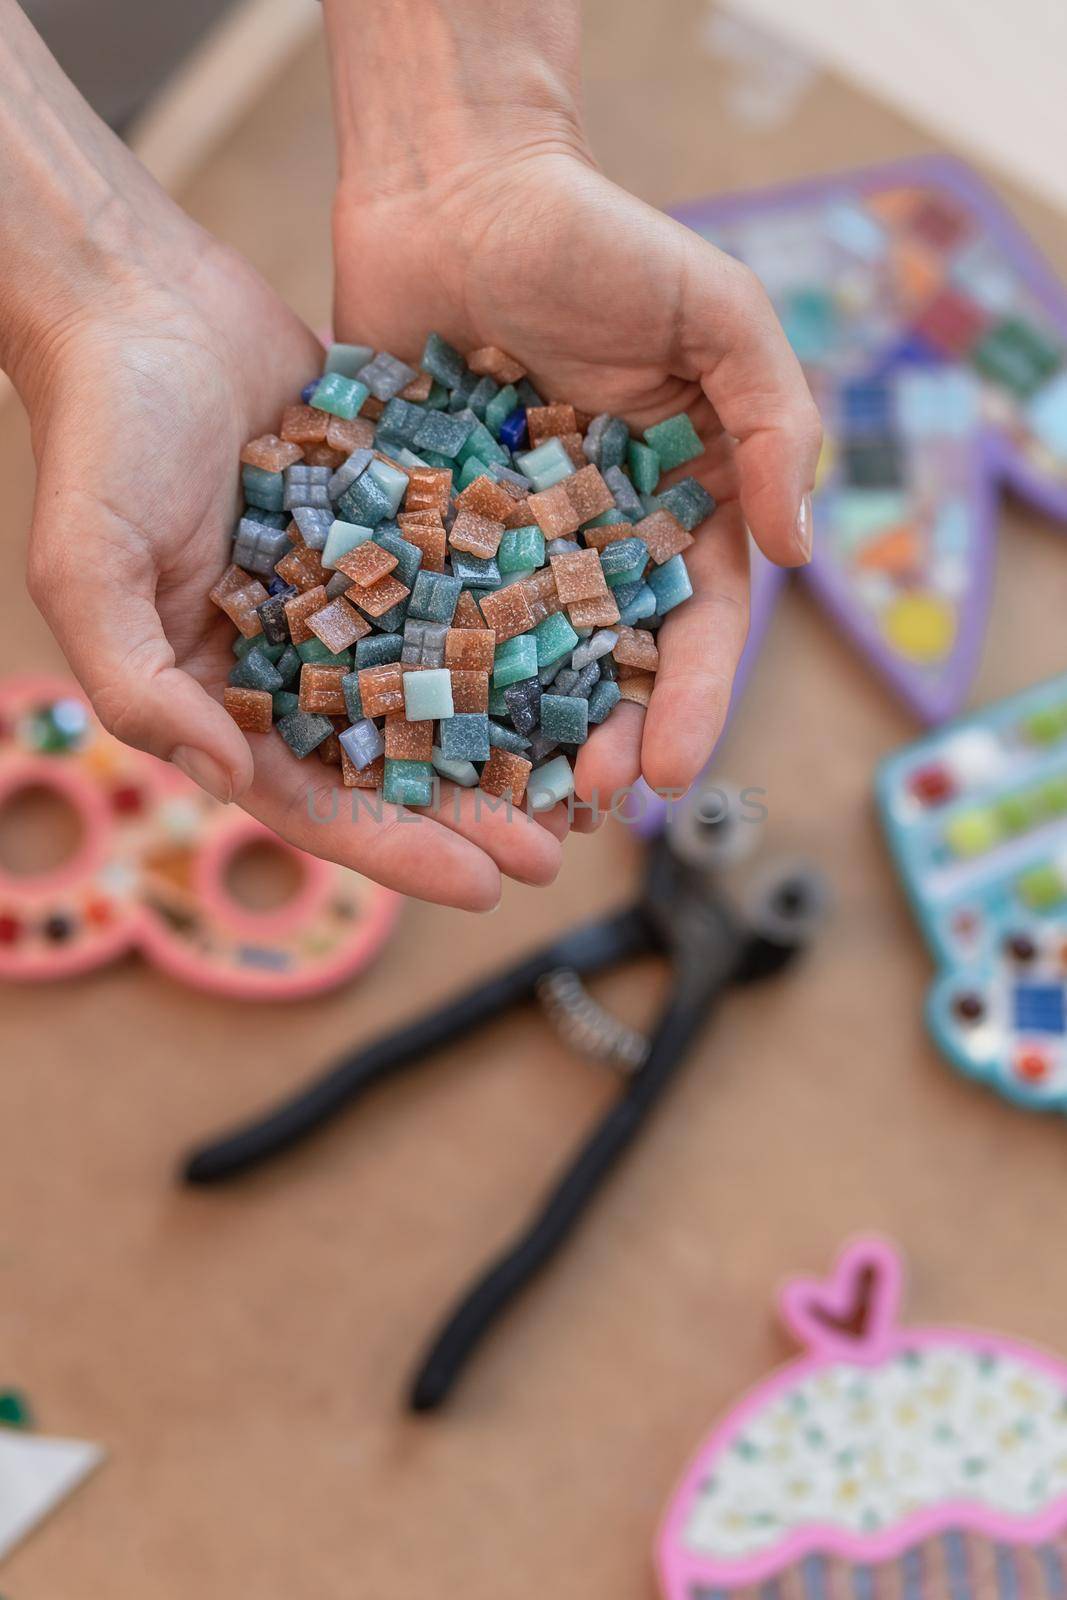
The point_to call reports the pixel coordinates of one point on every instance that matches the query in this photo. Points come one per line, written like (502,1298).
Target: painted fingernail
(205,771)
(805,531)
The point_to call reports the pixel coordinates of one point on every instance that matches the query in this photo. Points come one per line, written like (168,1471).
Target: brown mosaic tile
(507,611)
(380,597)
(251,709)
(270,453)
(338,625)
(551,509)
(588,493)
(470,649)
(549,422)
(579,576)
(304,425)
(300,608)
(477,536)
(636,647)
(381,689)
(470,690)
(505,773)
(320,689)
(489,362)
(407,741)
(663,534)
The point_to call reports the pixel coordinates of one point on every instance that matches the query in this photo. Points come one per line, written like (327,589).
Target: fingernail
(205,771)
(805,530)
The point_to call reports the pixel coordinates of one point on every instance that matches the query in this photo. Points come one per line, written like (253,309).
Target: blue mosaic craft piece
(976,819)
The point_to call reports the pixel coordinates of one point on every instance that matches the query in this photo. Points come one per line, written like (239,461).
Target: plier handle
(690,912)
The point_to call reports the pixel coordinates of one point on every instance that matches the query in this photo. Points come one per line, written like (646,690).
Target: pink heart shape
(853,1312)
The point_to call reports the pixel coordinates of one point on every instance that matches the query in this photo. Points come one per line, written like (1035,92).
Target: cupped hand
(614,307)
(139,412)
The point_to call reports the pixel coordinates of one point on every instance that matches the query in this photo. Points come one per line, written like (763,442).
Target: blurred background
(241,1353)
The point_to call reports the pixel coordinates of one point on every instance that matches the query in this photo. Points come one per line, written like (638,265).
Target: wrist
(428,92)
(80,273)
(81,219)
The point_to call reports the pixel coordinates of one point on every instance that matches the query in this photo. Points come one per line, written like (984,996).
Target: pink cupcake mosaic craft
(887,1462)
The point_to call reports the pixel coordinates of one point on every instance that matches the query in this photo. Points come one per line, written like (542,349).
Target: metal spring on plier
(587,1026)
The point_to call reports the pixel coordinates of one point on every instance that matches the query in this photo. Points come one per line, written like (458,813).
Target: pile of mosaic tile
(436,572)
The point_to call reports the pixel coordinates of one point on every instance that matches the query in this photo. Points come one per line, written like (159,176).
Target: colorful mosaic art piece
(976,819)
(887,1462)
(934,337)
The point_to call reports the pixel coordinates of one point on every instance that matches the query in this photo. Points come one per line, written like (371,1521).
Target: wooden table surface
(241,1353)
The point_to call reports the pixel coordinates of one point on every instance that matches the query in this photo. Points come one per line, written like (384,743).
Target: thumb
(106,622)
(754,381)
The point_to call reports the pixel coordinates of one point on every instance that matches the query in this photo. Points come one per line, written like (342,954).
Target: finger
(569,816)
(106,621)
(556,820)
(610,760)
(404,850)
(519,846)
(431,853)
(700,645)
(587,819)
(756,385)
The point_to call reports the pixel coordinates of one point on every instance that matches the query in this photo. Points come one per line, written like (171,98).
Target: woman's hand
(468,203)
(147,355)
(614,307)
(149,402)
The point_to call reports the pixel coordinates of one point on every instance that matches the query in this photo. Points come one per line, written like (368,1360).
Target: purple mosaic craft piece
(934,336)
(996,248)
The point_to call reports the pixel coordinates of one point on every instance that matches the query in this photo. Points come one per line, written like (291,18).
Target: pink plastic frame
(222,832)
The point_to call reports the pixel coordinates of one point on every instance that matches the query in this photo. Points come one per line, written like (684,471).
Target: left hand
(139,412)
(614,307)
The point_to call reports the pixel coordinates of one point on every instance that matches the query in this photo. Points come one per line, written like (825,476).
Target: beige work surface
(241,1353)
